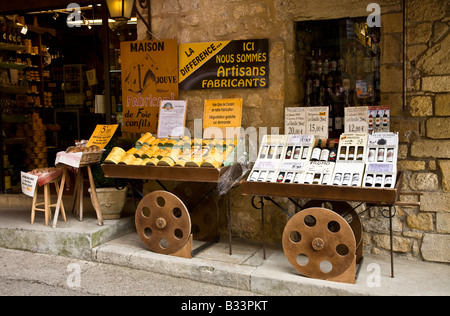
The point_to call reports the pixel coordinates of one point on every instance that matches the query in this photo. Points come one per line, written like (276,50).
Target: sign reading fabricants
(149,75)
(224,65)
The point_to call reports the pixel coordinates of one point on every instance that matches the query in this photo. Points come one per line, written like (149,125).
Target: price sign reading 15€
(102,135)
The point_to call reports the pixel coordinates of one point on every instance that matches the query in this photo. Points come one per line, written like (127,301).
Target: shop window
(339,66)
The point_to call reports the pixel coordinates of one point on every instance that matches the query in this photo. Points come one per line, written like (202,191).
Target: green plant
(100,180)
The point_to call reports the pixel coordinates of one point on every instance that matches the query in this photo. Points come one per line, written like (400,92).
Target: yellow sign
(149,75)
(102,135)
(222,114)
(194,55)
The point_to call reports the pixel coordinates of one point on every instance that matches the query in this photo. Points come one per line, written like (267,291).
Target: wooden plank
(24,6)
(322,192)
(175,173)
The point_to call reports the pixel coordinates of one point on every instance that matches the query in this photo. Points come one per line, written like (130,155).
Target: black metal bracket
(144,5)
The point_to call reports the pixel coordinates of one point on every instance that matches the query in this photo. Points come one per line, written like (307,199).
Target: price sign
(356,120)
(317,121)
(295,120)
(102,135)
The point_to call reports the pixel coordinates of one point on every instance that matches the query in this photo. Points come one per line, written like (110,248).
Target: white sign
(317,121)
(356,119)
(69,159)
(28,182)
(172,116)
(295,120)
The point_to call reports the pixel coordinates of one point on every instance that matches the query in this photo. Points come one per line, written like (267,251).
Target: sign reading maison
(149,75)
(136,47)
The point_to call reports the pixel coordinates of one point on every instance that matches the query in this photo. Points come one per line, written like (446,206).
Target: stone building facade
(423,122)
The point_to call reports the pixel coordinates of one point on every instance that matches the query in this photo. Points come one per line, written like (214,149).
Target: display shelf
(191,174)
(11,47)
(324,192)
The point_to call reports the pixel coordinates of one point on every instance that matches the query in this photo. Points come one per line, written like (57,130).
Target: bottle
(326,178)
(262,176)
(378,180)
(7,180)
(388,181)
(280,177)
(337,179)
(377,119)
(8,35)
(288,153)
(360,153)
(298,177)
(385,118)
(308,178)
(333,152)
(355,180)
(19,38)
(351,153)
(380,157)
(343,153)
(390,155)
(289,177)
(371,156)
(316,151)
(316,179)
(14,36)
(370,121)
(369,180)
(297,152)
(346,179)
(305,152)
(2,32)
(325,152)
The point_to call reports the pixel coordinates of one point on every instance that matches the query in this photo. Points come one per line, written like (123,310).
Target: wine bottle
(315,156)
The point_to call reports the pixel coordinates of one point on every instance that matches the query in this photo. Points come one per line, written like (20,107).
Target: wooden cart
(327,229)
(167,222)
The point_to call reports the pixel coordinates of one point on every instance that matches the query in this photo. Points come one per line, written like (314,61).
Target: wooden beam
(24,6)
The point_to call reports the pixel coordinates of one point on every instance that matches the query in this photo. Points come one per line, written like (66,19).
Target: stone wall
(423,124)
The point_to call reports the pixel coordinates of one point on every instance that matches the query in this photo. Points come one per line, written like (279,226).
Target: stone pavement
(117,243)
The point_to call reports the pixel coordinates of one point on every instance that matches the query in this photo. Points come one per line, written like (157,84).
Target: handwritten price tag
(102,135)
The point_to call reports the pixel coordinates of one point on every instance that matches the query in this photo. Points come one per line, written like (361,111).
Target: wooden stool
(47,202)
(78,195)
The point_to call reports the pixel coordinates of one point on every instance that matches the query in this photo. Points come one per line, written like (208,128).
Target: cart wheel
(351,217)
(163,222)
(202,207)
(319,243)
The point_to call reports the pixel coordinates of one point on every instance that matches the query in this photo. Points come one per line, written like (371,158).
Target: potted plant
(110,198)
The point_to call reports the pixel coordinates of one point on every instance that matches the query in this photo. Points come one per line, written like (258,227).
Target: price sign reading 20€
(102,135)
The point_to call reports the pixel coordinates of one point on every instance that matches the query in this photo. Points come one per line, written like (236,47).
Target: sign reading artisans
(149,75)
(224,65)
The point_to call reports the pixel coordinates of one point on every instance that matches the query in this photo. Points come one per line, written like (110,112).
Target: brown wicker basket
(91,158)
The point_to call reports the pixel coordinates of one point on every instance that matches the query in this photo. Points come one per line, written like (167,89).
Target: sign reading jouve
(149,75)
(224,65)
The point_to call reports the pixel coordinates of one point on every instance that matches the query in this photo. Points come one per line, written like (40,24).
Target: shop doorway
(59,77)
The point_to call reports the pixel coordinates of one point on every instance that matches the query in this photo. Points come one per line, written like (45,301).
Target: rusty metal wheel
(319,243)
(163,222)
(351,217)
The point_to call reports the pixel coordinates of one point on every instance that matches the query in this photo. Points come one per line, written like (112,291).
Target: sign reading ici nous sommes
(224,65)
